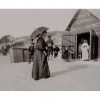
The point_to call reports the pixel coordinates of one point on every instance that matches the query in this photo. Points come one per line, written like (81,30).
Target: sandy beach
(65,76)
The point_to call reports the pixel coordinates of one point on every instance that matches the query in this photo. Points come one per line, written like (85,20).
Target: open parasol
(38,31)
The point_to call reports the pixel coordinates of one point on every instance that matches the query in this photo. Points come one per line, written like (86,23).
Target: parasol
(37,32)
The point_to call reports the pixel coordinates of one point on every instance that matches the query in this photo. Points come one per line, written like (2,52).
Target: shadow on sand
(70,69)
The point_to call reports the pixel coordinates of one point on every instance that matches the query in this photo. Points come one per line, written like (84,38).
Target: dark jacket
(40,64)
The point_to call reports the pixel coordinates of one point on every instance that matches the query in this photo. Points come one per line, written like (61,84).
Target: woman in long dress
(40,64)
(85,51)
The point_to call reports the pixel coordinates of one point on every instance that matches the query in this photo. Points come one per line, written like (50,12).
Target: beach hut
(84,25)
(19,52)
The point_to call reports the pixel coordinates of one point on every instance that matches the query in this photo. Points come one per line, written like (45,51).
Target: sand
(65,76)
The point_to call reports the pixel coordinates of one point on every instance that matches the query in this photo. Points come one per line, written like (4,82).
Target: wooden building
(18,55)
(84,25)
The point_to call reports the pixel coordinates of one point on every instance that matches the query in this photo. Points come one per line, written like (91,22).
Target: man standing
(50,44)
(56,50)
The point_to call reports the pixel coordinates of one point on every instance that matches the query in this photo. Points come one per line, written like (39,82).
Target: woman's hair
(44,32)
(85,41)
(40,35)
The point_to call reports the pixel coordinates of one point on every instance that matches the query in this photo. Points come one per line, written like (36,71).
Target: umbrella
(37,32)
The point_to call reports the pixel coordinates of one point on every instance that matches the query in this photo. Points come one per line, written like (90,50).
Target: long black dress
(40,64)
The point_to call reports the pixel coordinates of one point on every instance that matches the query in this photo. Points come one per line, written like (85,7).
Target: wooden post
(76,46)
(90,44)
(23,54)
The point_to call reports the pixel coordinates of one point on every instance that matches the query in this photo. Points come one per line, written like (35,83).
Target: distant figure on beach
(4,49)
(56,50)
(70,53)
(64,53)
(40,64)
(67,53)
(85,50)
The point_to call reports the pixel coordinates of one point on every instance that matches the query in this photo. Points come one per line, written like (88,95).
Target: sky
(22,22)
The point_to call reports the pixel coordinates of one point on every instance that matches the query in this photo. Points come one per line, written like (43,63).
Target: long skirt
(85,54)
(40,66)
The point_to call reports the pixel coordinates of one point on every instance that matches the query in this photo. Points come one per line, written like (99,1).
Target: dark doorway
(80,38)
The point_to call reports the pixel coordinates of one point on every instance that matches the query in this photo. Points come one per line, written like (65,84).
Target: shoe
(47,76)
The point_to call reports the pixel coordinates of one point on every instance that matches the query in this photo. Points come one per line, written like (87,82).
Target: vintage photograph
(49,49)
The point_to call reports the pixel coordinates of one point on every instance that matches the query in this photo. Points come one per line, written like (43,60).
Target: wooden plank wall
(98,47)
(26,55)
(97,30)
(19,55)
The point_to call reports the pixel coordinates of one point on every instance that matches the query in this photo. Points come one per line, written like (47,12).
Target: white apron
(85,51)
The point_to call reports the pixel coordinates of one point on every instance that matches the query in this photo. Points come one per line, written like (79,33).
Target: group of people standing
(83,52)
(39,52)
(51,49)
(67,53)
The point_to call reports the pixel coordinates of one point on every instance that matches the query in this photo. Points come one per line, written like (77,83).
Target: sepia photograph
(49,49)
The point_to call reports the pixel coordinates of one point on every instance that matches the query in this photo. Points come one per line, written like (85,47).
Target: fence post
(23,54)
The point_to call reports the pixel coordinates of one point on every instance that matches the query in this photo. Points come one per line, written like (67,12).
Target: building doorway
(80,38)
(92,40)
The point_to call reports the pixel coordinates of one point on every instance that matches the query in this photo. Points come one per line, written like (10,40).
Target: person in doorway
(40,64)
(85,50)
(50,44)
